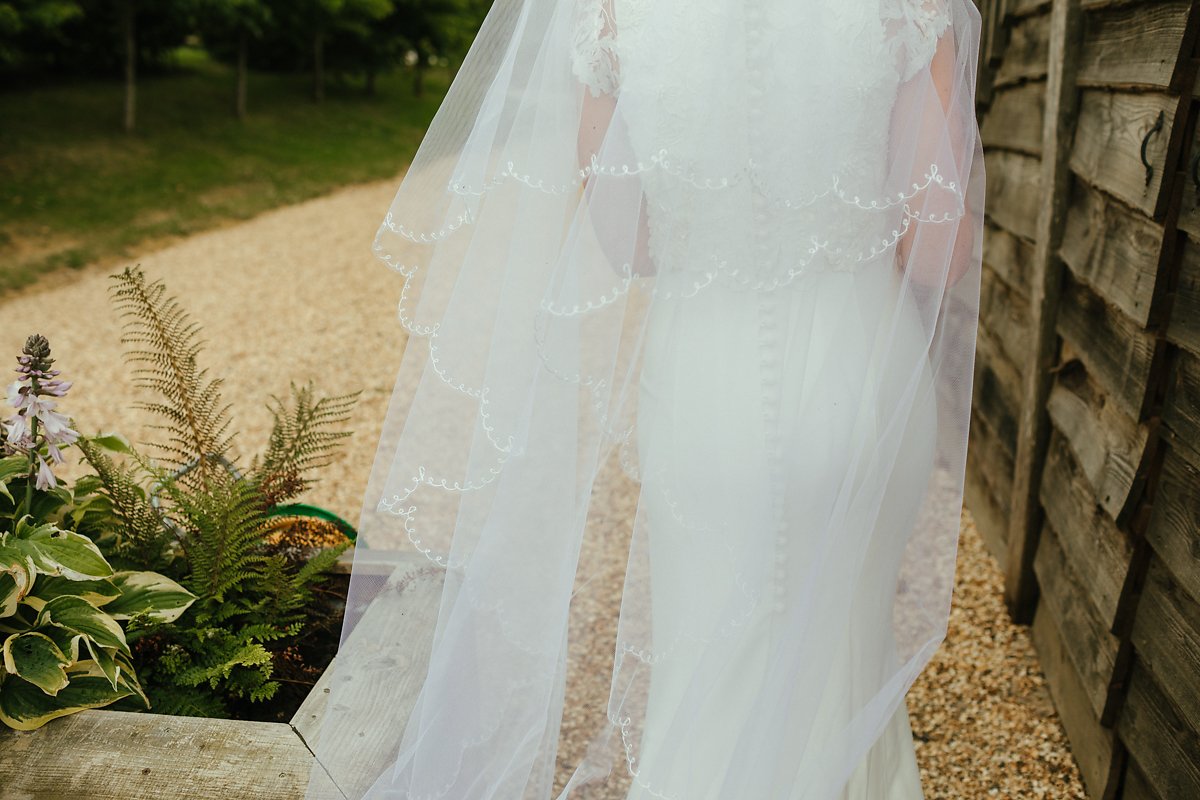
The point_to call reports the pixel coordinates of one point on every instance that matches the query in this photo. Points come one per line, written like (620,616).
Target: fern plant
(186,507)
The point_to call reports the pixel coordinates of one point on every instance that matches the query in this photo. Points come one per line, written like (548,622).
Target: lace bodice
(791,117)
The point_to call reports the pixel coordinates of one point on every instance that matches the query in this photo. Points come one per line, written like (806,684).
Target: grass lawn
(74,189)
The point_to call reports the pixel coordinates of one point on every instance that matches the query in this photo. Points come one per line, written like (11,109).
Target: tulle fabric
(730,250)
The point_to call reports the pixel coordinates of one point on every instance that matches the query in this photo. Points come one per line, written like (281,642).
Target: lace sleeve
(915,27)
(593,52)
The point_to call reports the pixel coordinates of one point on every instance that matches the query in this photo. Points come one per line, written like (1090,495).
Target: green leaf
(156,596)
(25,707)
(67,641)
(113,442)
(79,616)
(16,578)
(11,467)
(97,592)
(105,660)
(59,552)
(36,658)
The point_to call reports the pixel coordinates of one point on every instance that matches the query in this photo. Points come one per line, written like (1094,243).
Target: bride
(733,246)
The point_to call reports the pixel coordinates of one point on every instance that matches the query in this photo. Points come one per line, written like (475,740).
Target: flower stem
(33,432)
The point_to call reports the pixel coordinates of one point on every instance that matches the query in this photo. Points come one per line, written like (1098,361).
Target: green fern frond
(164,344)
(144,541)
(303,437)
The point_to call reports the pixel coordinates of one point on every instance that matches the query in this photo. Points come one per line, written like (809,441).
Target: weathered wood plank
(1132,44)
(995,391)
(1009,257)
(1116,351)
(355,732)
(1004,314)
(990,517)
(1189,208)
(1020,585)
(1107,151)
(1184,327)
(1174,530)
(1024,8)
(1136,785)
(1013,190)
(1113,249)
(1159,739)
(1091,744)
(1107,444)
(1025,54)
(1092,650)
(1181,411)
(114,755)
(1096,549)
(1014,119)
(1166,634)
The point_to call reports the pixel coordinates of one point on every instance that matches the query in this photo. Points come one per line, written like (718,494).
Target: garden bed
(116,755)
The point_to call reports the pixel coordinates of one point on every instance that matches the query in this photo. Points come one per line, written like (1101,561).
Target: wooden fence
(1084,461)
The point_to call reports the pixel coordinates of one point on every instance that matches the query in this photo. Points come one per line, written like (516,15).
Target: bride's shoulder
(914,27)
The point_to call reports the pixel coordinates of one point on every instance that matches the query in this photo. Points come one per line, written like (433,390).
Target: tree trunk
(128,9)
(239,103)
(419,79)
(319,66)
(371,71)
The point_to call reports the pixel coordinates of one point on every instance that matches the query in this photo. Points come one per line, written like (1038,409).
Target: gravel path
(295,294)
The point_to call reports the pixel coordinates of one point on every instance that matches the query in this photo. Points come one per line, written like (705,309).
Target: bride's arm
(948,119)
(600,76)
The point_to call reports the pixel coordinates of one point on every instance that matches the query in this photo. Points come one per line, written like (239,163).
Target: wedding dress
(735,246)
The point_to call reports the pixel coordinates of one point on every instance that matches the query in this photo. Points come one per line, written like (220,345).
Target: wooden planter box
(119,755)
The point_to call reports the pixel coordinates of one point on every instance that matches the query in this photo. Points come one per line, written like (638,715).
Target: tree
(27,25)
(321,19)
(436,28)
(240,21)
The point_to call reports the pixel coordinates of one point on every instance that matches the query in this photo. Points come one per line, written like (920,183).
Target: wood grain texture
(1137,787)
(1113,249)
(991,518)
(1116,351)
(1107,151)
(114,755)
(1014,119)
(1092,744)
(1004,314)
(1092,651)
(351,724)
(1096,549)
(1013,190)
(1025,52)
(1009,257)
(1132,44)
(1166,634)
(1184,326)
(1159,739)
(996,392)
(1174,530)
(1105,441)
(1181,412)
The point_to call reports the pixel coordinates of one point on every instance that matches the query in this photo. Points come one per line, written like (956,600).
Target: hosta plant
(61,603)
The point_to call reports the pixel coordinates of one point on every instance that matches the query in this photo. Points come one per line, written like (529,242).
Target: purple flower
(34,398)
(45,478)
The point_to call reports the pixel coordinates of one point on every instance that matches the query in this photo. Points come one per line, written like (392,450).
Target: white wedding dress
(734,244)
(734,375)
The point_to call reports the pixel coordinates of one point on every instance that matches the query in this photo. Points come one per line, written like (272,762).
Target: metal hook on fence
(1158,126)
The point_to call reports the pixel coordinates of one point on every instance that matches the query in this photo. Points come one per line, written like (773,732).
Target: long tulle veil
(597,166)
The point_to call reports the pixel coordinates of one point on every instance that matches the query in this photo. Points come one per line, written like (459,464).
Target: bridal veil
(729,252)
